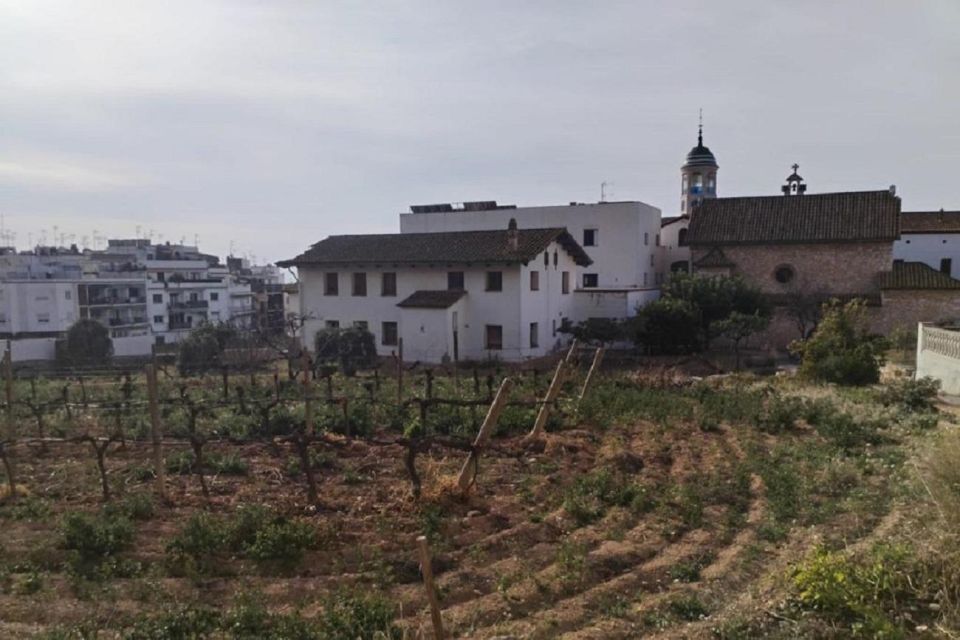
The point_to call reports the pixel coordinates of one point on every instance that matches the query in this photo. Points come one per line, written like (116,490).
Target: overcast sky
(273,124)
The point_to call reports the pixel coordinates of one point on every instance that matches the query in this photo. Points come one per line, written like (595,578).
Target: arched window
(682,239)
(686,183)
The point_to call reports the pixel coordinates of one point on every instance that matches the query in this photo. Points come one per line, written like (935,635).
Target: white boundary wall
(938,357)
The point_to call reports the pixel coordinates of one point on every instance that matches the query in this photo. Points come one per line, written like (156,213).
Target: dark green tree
(202,350)
(737,327)
(87,343)
(596,330)
(716,297)
(842,349)
(667,325)
(348,349)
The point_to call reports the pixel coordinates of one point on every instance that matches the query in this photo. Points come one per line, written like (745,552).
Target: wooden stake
(468,474)
(431,588)
(307,400)
(548,400)
(5,452)
(597,358)
(156,432)
(400,371)
(571,352)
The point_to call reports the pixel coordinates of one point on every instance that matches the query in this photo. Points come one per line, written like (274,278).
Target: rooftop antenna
(196,240)
(603,190)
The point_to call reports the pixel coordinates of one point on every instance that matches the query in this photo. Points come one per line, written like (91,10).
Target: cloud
(62,173)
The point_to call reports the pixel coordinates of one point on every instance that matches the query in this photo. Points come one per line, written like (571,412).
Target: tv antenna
(604,186)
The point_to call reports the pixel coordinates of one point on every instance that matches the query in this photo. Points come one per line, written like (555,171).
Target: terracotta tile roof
(916,275)
(714,258)
(855,216)
(454,247)
(441,299)
(930,222)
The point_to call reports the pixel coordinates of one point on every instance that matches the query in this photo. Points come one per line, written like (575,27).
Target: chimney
(513,236)
(893,189)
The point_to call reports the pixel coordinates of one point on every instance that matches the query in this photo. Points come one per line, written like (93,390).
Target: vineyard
(580,499)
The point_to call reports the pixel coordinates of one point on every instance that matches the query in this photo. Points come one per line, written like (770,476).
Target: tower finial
(700,133)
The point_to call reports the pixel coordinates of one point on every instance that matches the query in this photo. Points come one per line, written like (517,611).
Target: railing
(190,304)
(93,302)
(123,322)
(942,341)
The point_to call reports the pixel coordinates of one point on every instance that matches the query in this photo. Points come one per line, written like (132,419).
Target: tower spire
(700,130)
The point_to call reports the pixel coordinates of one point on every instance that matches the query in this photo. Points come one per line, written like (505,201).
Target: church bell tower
(698,175)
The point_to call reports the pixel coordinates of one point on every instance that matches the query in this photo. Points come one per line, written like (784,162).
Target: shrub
(715,298)
(911,395)
(87,343)
(194,548)
(202,349)
(588,499)
(95,537)
(283,541)
(596,330)
(358,615)
(349,349)
(781,414)
(667,325)
(841,350)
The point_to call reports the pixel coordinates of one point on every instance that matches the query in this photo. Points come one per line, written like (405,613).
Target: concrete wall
(626,234)
(938,357)
(33,349)
(929,248)
(37,306)
(133,346)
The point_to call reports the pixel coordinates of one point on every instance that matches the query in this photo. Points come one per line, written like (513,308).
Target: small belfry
(698,175)
(794,186)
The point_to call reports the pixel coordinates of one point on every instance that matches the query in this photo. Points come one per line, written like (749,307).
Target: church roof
(916,275)
(930,222)
(854,216)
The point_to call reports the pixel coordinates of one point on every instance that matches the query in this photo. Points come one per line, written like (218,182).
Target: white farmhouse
(931,237)
(456,295)
(622,238)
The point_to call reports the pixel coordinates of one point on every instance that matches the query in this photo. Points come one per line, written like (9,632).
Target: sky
(261,127)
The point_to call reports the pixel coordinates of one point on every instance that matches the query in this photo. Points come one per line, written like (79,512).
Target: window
(360,324)
(945,265)
(388,284)
(686,183)
(388,333)
(534,335)
(645,276)
(590,280)
(68,295)
(214,296)
(494,336)
(651,260)
(455,280)
(553,328)
(194,297)
(646,238)
(43,318)
(658,240)
(332,324)
(132,293)
(494,281)
(158,319)
(554,258)
(534,281)
(161,276)
(546,258)
(331,284)
(160,340)
(565,282)
(683,206)
(783,274)
(359,284)
(157,298)
(682,238)
(589,237)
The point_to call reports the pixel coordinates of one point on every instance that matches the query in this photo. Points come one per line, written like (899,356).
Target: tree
(737,327)
(202,350)
(716,297)
(667,325)
(349,349)
(804,305)
(842,350)
(596,330)
(87,343)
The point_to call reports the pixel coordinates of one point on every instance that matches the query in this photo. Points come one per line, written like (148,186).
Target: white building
(622,239)
(931,237)
(674,250)
(464,295)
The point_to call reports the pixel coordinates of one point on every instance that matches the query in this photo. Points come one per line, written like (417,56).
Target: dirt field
(620,524)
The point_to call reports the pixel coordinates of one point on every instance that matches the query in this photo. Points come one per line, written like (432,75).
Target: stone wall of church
(835,268)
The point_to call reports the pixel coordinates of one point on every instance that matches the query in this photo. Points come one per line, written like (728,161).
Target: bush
(715,298)
(596,330)
(592,494)
(349,349)
(358,615)
(841,350)
(911,395)
(667,325)
(202,350)
(283,541)
(87,343)
(95,537)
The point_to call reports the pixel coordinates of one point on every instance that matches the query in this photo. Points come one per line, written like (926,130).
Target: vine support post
(5,453)
(427,570)
(552,392)
(594,367)
(225,374)
(155,432)
(400,371)
(303,440)
(468,474)
(307,400)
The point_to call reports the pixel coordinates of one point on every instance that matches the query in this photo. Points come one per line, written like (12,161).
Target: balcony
(188,305)
(174,326)
(126,322)
(109,301)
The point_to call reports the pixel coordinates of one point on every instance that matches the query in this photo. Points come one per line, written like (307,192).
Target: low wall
(33,349)
(132,346)
(938,357)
